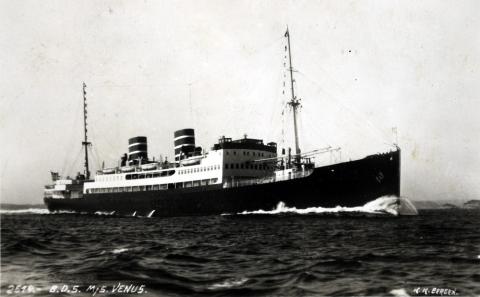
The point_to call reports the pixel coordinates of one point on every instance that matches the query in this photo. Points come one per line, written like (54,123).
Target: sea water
(371,250)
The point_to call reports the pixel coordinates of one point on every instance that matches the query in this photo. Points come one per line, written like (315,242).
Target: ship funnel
(137,149)
(184,143)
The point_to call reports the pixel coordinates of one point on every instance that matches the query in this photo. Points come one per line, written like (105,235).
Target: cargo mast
(85,143)
(294,102)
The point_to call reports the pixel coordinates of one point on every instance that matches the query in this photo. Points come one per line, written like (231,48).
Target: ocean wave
(119,251)
(229,283)
(399,292)
(25,211)
(391,205)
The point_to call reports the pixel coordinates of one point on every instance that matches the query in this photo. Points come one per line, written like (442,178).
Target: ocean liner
(233,176)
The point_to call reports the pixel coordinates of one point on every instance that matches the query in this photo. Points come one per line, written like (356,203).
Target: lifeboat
(127,169)
(108,170)
(150,166)
(191,161)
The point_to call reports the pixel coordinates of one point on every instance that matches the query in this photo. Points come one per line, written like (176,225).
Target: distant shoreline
(12,206)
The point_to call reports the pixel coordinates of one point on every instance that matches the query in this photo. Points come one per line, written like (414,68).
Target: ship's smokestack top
(137,149)
(184,143)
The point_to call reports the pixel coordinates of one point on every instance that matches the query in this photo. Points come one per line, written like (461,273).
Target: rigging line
(254,89)
(361,118)
(105,138)
(304,123)
(71,144)
(275,109)
(93,148)
(192,115)
(74,163)
(255,51)
(96,156)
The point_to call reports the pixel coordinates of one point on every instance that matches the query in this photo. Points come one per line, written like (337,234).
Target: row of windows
(248,166)
(109,177)
(198,169)
(247,153)
(149,175)
(180,185)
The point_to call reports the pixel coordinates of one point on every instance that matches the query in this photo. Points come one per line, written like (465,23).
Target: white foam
(119,251)
(25,211)
(105,213)
(383,205)
(229,283)
(66,212)
(399,292)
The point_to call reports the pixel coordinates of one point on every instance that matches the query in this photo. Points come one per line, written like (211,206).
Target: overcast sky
(152,67)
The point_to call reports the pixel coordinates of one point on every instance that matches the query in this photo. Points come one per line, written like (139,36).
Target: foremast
(294,101)
(85,142)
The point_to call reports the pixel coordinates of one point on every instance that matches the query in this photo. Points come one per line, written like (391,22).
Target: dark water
(252,255)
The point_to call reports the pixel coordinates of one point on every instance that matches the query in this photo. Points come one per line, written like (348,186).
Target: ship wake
(385,205)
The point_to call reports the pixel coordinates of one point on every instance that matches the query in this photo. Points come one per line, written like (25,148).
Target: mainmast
(85,143)
(294,102)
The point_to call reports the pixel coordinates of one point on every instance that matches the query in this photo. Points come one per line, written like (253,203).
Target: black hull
(349,184)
